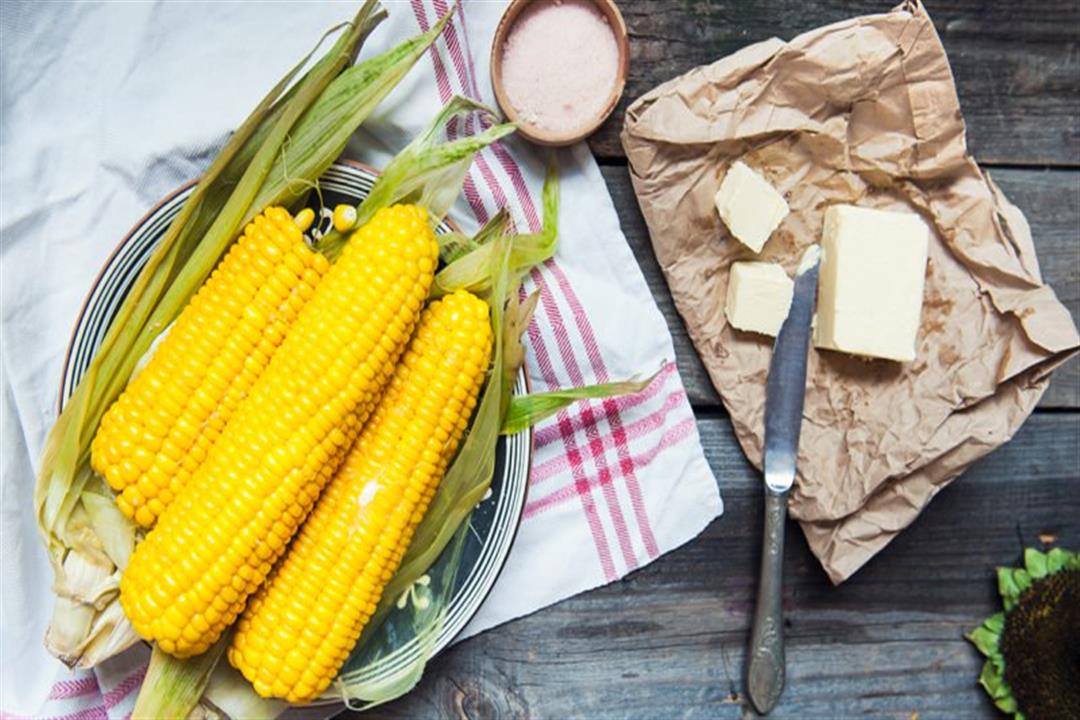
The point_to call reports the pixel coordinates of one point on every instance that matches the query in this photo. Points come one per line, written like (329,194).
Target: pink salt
(559,64)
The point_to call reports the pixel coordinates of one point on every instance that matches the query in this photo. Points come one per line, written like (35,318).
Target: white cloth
(108,107)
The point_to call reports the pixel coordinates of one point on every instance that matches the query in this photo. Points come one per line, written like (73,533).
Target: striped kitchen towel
(614,484)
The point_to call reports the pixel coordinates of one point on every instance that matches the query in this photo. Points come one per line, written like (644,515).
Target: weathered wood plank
(669,640)
(1049,198)
(1016,66)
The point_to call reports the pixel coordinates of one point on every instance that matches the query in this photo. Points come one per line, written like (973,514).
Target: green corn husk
(179,685)
(469,262)
(527,410)
(88,541)
(453,246)
(429,171)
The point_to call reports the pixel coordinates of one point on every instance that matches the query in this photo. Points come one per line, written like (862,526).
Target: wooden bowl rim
(537,134)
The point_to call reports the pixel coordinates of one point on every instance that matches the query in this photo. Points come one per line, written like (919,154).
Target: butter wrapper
(863,112)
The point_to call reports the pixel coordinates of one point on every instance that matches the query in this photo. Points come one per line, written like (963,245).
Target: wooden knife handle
(765,675)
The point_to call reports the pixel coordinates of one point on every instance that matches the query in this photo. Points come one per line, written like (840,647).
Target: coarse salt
(559,64)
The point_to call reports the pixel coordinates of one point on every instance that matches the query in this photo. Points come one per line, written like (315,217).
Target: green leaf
(990,680)
(458,245)
(985,640)
(998,661)
(1021,579)
(1006,703)
(429,171)
(1010,593)
(527,410)
(321,134)
(471,271)
(173,687)
(1056,559)
(1036,563)
(995,623)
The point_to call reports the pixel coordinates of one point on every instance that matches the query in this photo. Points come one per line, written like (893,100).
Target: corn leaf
(230,695)
(527,410)
(429,171)
(334,117)
(455,245)
(470,271)
(171,689)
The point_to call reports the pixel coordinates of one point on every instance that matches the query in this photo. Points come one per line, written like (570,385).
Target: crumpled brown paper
(865,112)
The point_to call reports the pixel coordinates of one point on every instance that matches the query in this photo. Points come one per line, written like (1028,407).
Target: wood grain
(1050,199)
(669,640)
(1016,66)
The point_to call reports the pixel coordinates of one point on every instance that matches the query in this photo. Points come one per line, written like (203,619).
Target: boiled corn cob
(215,544)
(301,626)
(160,429)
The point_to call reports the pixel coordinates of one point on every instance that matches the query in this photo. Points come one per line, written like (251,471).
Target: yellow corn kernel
(300,627)
(304,219)
(270,462)
(344,217)
(175,406)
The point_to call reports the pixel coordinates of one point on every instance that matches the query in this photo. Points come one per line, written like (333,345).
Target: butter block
(749,206)
(758,297)
(870,290)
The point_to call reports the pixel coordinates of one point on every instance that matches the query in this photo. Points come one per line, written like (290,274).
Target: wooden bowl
(541,135)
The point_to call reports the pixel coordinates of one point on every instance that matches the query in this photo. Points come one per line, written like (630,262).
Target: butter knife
(784,393)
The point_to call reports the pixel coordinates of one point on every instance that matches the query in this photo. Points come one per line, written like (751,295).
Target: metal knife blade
(786,386)
(785,389)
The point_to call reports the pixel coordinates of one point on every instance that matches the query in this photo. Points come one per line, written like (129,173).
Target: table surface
(669,640)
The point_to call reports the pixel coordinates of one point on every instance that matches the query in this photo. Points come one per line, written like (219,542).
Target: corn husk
(469,262)
(527,410)
(88,542)
(179,685)
(429,171)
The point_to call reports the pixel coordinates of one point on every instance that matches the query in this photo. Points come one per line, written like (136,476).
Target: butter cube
(758,297)
(870,290)
(749,206)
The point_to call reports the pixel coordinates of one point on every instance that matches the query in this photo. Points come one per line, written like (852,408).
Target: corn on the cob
(160,428)
(301,626)
(191,576)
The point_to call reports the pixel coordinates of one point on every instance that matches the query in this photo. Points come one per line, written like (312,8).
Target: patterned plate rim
(460,614)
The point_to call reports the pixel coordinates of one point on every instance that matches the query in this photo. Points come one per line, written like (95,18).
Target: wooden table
(669,640)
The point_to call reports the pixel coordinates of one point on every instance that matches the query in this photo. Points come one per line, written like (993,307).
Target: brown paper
(865,112)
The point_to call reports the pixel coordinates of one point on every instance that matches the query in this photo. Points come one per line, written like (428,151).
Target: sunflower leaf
(990,679)
(985,640)
(1056,560)
(1022,579)
(1007,587)
(1035,562)
(1006,703)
